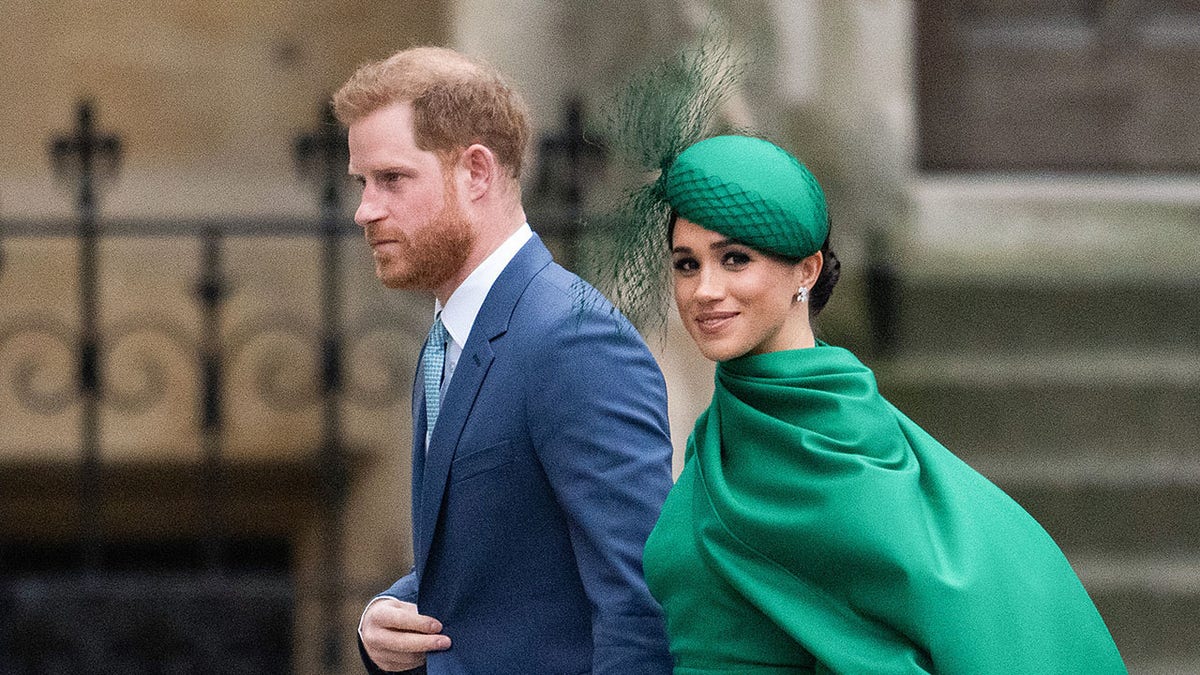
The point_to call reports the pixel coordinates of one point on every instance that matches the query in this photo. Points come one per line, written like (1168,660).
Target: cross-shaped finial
(571,151)
(564,161)
(322,155)
(86,156)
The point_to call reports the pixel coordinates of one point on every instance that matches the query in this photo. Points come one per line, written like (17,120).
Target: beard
(432,255)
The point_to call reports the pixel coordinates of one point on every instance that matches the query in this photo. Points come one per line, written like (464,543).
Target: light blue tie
(431,369)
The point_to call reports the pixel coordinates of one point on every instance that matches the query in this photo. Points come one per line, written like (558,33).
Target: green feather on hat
(663,121)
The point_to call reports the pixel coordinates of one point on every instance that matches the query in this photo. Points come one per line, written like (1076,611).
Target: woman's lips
(713,322)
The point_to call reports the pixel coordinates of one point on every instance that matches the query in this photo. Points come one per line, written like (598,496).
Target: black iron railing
(81,614)
(104,601)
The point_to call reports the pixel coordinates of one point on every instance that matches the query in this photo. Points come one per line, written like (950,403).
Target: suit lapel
(460,396)
(418,445)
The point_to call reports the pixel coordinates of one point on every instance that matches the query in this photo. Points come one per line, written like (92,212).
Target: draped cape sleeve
(867,541)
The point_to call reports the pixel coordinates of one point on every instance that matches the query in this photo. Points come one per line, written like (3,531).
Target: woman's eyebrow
(716,245)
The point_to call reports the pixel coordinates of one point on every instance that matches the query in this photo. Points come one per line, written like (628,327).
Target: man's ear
(481,169)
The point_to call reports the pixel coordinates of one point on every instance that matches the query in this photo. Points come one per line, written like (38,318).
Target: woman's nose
(710,285)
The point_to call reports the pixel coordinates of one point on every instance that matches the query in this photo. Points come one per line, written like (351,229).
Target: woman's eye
(735,259)
(685,265)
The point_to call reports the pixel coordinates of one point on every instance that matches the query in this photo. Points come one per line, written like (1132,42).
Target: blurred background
(204,392)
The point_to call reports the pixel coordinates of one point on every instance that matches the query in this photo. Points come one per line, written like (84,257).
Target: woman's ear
(808,269)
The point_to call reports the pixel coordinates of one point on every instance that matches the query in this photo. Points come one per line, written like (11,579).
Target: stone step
(1151,604)
(1094,402)
(1095,471)
(1150,518)
(1030,316)
(1169,665)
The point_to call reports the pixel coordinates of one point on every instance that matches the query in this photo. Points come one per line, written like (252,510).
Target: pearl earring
(802,294)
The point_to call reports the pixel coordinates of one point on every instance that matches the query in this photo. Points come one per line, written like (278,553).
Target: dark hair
(831,267)
(831,271)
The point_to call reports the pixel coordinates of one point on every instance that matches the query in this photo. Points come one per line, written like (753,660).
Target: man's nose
(369,209)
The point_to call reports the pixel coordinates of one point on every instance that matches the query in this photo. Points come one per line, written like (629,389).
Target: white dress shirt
(458,315)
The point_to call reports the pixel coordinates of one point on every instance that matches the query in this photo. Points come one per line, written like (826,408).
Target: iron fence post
(80,156)
(323,155)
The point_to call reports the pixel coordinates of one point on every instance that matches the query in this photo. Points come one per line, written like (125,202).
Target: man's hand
(396,637)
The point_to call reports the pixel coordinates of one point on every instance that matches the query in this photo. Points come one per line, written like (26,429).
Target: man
(541,454)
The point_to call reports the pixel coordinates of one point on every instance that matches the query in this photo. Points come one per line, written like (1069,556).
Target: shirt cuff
(364,612)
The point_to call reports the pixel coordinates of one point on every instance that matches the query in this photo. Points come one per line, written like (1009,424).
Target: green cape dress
(815,528)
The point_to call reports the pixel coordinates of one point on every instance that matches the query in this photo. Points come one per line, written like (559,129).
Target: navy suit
(546,470)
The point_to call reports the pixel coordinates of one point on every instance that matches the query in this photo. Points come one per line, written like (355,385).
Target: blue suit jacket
(547,468)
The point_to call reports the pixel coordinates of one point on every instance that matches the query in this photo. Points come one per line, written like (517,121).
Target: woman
(814,527)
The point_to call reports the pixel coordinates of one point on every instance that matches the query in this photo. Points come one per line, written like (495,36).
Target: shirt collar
(458,315)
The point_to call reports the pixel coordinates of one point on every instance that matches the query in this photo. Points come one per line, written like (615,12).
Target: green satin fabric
(863,539)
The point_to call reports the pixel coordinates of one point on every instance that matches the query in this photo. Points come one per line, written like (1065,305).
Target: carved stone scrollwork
(37,353)
(382,351)
(286,377)
(142,353)
(138,371)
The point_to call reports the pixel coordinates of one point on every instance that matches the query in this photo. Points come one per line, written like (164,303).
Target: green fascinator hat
(666,122)
(752,191)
